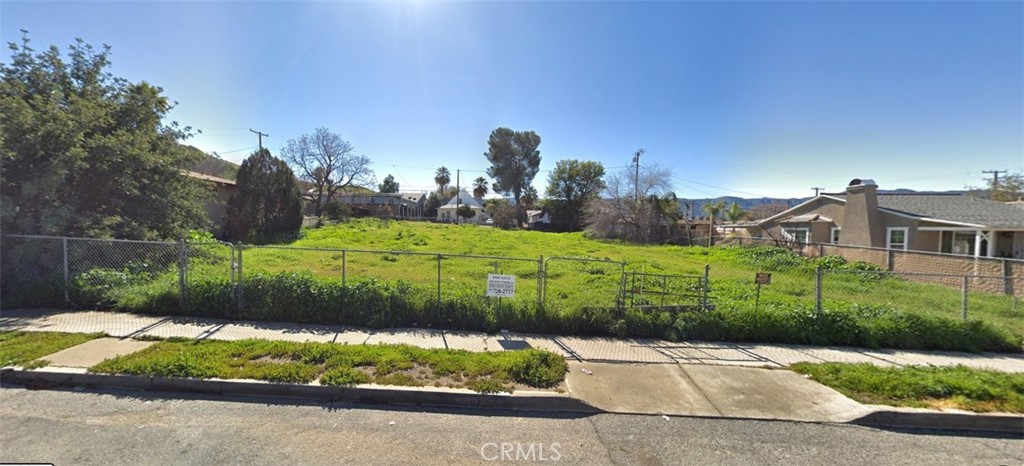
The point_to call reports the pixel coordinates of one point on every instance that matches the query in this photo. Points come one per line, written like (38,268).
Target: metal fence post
(707,284)
(664,288)
(239,287)
(821,249)
(963,298)
(64,245)
(182,266)
(540,282)
(439,287)
(817,290)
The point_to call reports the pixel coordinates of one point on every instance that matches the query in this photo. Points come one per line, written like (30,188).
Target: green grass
(25,348)
(923,387)
(279,361)
(399,288)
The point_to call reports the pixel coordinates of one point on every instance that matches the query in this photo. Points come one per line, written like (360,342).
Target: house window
(896,238)
(835,235)
(797,234)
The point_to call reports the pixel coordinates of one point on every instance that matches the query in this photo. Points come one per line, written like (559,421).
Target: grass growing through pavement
(25,348)
(924,387)
(279,361)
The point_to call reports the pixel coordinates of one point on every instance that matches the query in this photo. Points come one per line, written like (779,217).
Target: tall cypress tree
(268,204)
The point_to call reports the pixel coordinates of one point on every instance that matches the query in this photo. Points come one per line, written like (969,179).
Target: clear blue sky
(760,98)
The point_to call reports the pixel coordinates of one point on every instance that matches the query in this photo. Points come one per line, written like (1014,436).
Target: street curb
(882,417)
(893,419)
(320,393)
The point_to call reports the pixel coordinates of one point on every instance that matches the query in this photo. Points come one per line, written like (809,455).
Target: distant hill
(214,166)
(748,204)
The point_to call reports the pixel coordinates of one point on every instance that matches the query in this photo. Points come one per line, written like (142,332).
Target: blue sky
(737,98)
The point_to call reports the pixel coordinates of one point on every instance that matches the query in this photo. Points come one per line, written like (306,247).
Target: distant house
(860,216)
(217,208)
(446,213)
(538,218)
(384,204)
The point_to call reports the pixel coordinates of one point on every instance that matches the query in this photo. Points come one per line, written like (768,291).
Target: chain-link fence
(285,283)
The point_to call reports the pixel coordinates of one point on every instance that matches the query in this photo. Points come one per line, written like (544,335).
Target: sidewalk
(588,349)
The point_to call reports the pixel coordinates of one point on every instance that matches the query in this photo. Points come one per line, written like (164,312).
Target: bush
(898,330)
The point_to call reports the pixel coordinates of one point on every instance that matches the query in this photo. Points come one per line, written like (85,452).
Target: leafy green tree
(85,153)
(389,185)
(465,211)
(268,205)
(515,161)
(1009,188)
(432,204)
(570,186)
(442,177)
(480,187)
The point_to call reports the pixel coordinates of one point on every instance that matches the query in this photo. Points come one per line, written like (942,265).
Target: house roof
(204,177)
(943,208)
(415,197)
(464,198)
(806,219)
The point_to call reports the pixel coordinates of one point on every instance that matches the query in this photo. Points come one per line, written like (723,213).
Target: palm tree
(480,187)
(734,213)
(529,197)
(442,177)
(712,210)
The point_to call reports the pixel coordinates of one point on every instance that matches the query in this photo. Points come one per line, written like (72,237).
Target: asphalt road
(114,427)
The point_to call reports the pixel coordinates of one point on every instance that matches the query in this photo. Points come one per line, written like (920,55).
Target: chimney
(861,224)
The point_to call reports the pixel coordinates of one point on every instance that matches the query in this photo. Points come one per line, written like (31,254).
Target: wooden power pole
(261,135)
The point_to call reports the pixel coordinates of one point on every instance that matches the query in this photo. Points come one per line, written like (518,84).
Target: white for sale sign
(502,286)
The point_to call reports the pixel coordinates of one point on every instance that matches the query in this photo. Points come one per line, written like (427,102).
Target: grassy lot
(25,348)
(923,387)
(324,284)
(278,361)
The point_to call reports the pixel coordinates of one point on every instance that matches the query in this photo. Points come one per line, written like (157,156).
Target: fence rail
(179,276)
(63,270)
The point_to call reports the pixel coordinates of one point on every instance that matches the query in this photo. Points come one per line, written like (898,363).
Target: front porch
(971,242)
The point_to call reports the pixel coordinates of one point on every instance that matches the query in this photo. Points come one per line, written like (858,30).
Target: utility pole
(260,134)
(458,197)
(816,189)
(636,178)
(995,177)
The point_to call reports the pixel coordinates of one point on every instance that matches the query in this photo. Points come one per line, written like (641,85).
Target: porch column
(991,237)
(978,235)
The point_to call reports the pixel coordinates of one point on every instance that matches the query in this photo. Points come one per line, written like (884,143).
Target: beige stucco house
(217,207)
(860,216)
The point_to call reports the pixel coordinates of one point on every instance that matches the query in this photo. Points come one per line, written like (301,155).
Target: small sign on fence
(502,286)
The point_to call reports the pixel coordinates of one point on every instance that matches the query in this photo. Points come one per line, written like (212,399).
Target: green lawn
(923,387)
(576,285)
(333,364)
(385,274)
(25,348)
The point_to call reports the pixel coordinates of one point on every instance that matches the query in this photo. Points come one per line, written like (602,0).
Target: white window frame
(787,232)
(888,237)
(833,237)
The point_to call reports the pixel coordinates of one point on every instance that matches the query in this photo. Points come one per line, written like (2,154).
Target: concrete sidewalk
(588,349)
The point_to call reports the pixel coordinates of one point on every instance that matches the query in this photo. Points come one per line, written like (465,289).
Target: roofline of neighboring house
(882,209)
(205,177)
